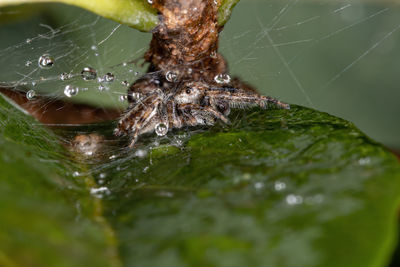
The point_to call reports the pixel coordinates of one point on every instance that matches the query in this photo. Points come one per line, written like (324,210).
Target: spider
(158,105)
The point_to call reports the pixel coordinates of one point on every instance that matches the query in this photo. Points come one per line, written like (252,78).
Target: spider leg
(238,98)
(205,111)
(141,122)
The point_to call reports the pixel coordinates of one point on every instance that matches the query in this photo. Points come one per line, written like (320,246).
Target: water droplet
(279,186)
(141,153)
(102,175)
(28,41)
(150,2)
(101,88)
(64,76)
(145,169)
(213,54)
(70,91)
(75,174)
(258,185)
(88,73)
(108,77)
(93,47)
(126,83)
(46,61)
(112,157)
(30,95)
(100,192)
(137,73)
(122,98)
(161,129)
(34,83)
(28,63)
(171,76)
(222,78)
(124,64)
(294,199)
(364,161)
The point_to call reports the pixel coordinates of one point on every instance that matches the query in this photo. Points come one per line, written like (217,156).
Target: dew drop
(102,175)
(64,76)
(145,169)
(222,78)
(101,88)
(93,47)
(28,63)
(171,76)
(141,153)
(34,83)
(161,129)
(294,199)
(88,73)
(364,161)
(108,77)
(30,95)
(28,41)
(75,174)
(122,98)
(126,83)
(279,186)
(100,192)
(258,185)
(46,61)
(70,91)
(150,2)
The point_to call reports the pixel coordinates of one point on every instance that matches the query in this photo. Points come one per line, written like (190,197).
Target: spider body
(158,105)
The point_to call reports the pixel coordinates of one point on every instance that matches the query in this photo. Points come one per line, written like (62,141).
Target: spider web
(336,56)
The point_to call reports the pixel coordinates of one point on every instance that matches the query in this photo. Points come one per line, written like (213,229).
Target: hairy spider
(159,106)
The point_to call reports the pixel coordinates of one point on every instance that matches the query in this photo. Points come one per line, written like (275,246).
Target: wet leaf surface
(275,188)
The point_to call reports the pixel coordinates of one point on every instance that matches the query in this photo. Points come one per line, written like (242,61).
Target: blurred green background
(335,56)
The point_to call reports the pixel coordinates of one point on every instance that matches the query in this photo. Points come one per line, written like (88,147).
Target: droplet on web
(222,78)
(28,41)
(64,76)
(161,129)
(101,88)
(88,73)
(294,199)
(123,98)
(171,76)
(28,63)
(46,61)
(126,83)
(279,186)
(100,192)
(31,94)
(108,77)
(70,91)
(141,153)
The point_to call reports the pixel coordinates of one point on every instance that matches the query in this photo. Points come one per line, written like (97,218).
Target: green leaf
(225,11)
(47,217)
(135,13)
(275,188)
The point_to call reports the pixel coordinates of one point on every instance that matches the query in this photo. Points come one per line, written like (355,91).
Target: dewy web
(89,59)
